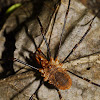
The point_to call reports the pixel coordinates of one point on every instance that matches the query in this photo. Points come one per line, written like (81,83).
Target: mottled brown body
(53,72)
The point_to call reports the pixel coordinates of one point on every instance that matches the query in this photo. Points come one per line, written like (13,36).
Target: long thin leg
(64,23)
(24,63)
(59,93)
(32,39)
(81,38)
(91,19)
(48,49)
(84,79)
(36,92)
(53,22)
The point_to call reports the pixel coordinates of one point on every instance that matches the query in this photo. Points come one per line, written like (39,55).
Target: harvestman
(52,70)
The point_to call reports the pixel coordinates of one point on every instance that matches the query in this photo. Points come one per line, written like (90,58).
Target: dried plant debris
(21,30)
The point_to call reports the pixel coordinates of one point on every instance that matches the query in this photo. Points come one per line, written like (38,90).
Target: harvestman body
(52,70)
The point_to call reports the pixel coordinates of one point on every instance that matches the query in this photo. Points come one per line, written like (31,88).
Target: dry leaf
(85,60)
